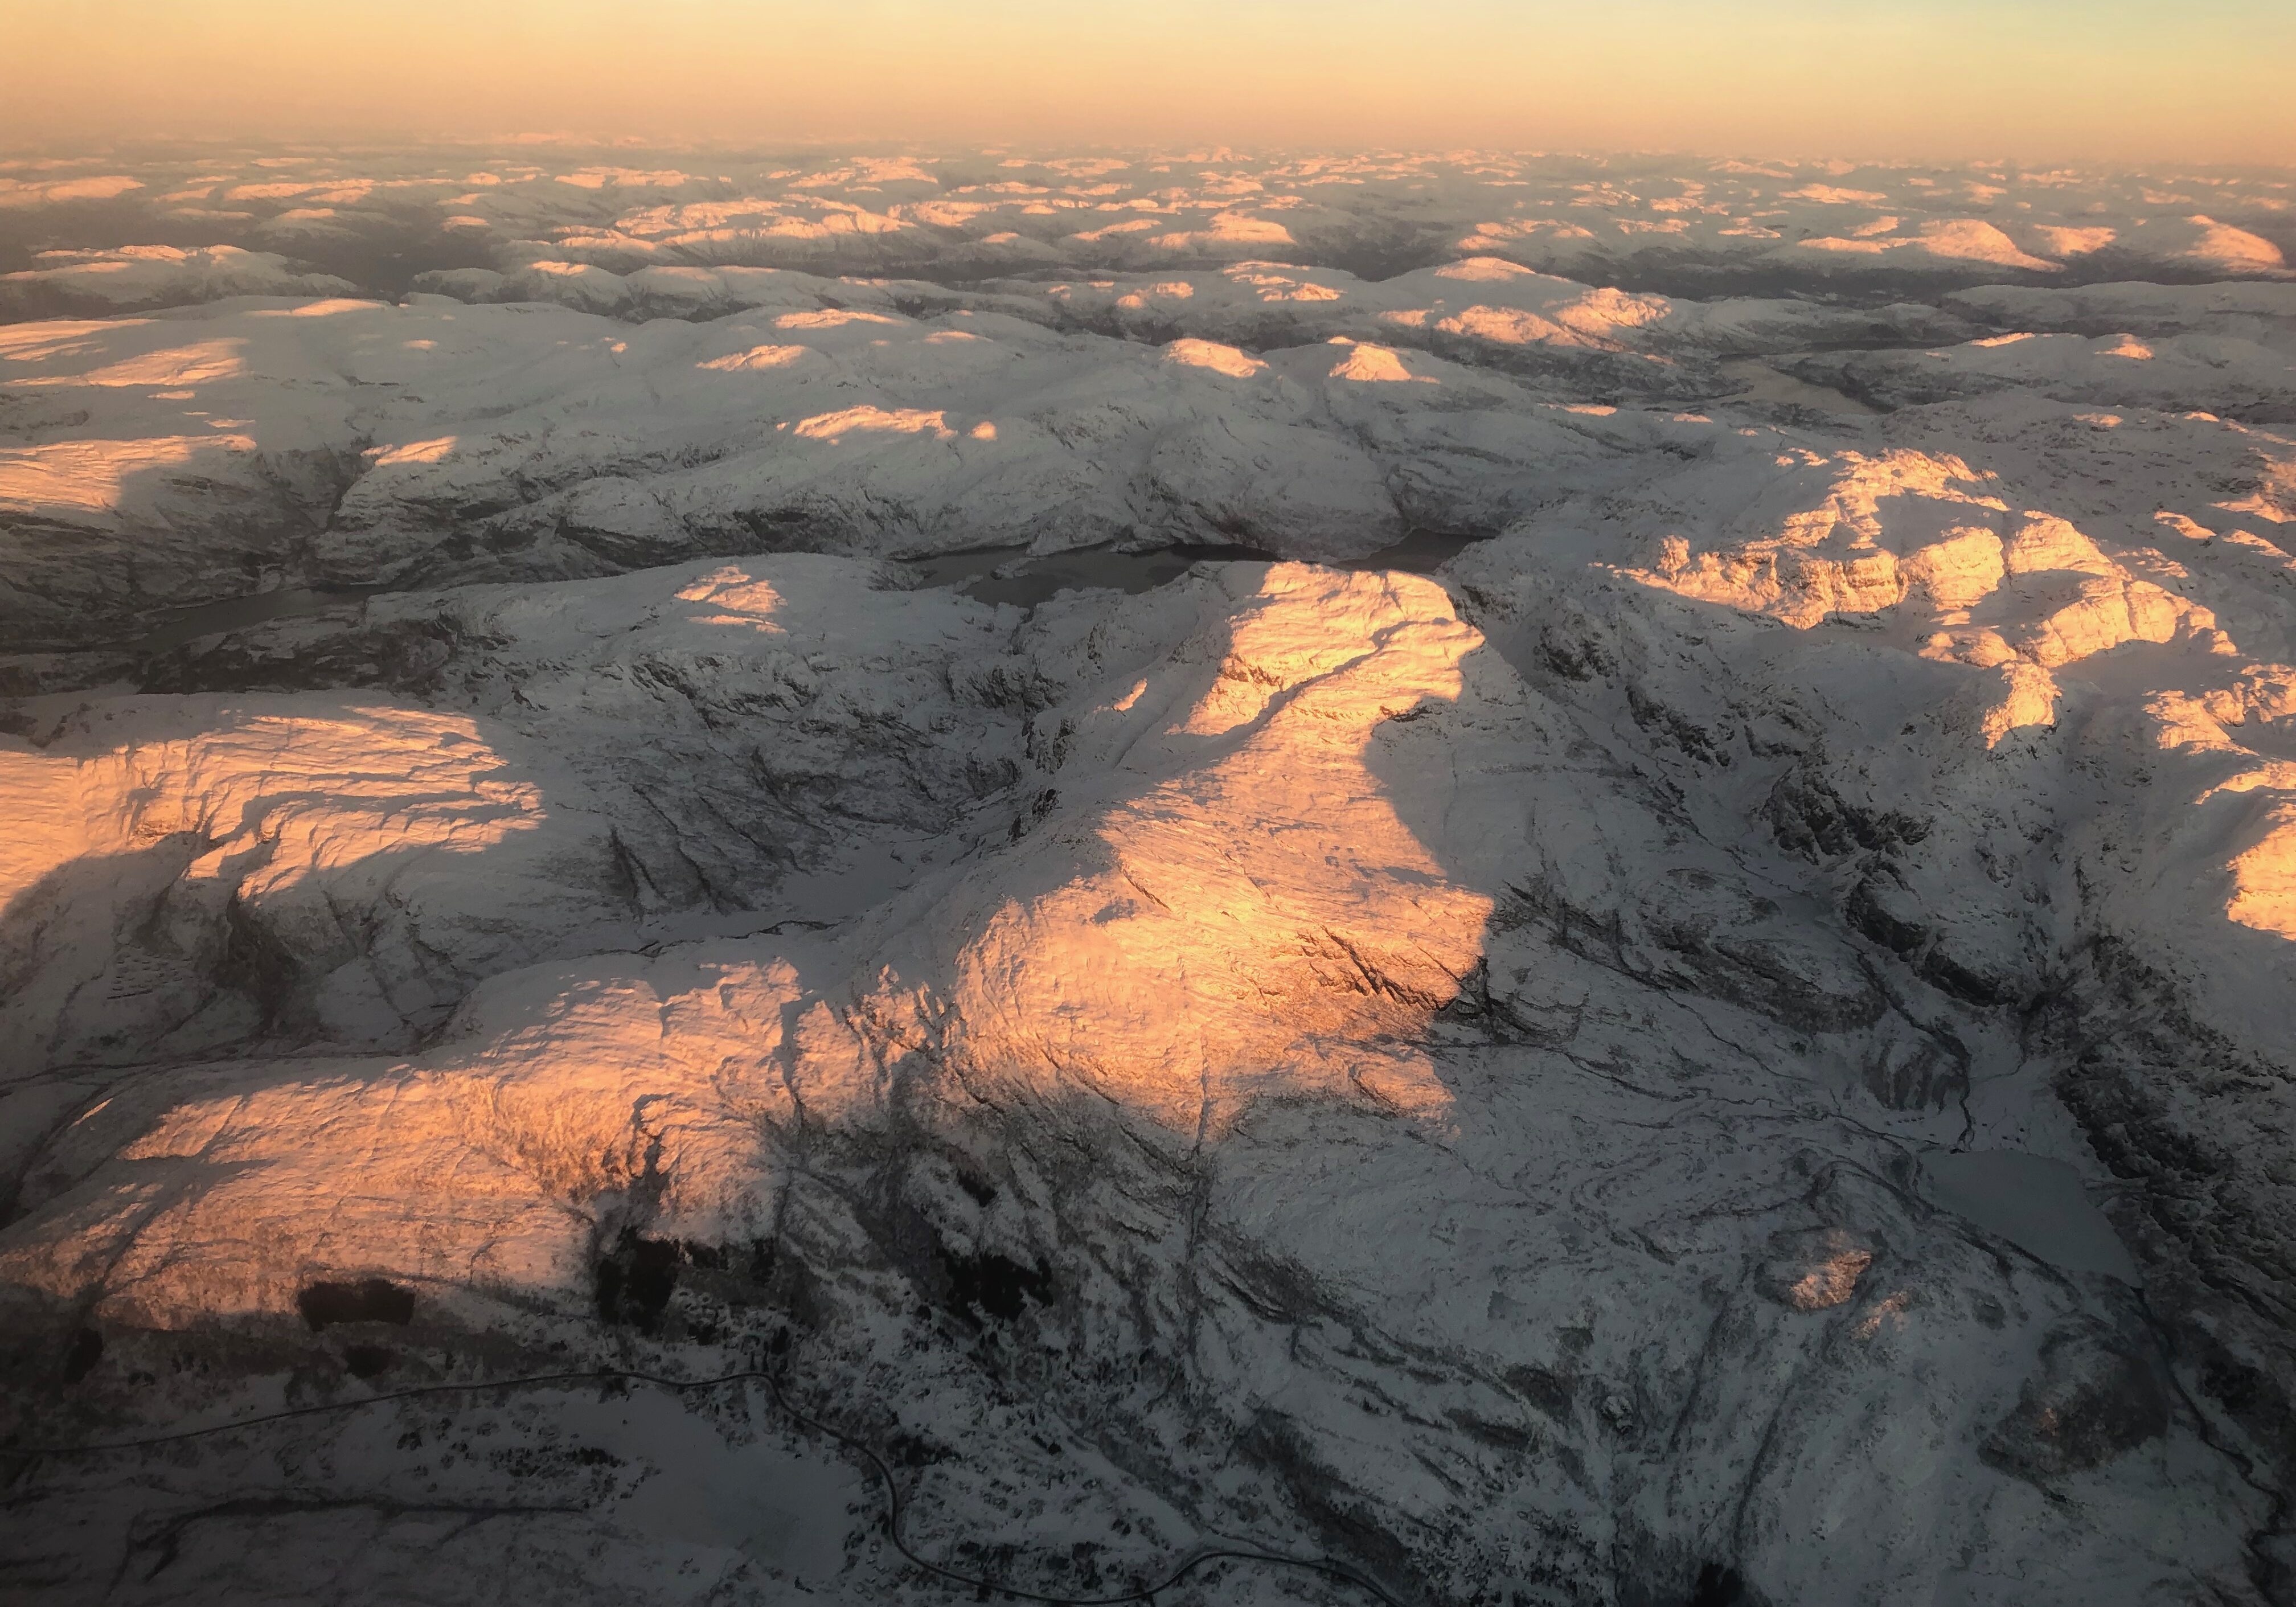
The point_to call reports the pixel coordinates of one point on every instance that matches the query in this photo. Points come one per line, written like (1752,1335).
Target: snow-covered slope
(179,458)
(379,217)
(1730,1042)
(99,282)
(2226,349)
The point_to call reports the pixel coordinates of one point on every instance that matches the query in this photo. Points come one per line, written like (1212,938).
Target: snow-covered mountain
(1551,882)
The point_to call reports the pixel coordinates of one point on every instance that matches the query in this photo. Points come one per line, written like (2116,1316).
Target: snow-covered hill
(1272,856)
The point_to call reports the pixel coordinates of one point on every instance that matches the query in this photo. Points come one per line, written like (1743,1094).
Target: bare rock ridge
(1563,909)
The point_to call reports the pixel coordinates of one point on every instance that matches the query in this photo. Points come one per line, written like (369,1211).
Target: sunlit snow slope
(1564,881)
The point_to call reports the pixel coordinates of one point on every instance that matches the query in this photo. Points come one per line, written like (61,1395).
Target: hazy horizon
(1934,80)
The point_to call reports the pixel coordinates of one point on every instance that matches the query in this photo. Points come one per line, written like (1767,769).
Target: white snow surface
(1679,983)
(153,276)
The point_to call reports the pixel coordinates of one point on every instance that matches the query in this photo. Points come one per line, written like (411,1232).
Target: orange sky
(2040,79)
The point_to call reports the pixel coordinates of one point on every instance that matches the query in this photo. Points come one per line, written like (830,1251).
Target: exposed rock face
(1729,1043)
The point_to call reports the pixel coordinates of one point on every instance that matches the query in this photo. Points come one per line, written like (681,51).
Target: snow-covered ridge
(1732,1037)
(138,276)
(377,216)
